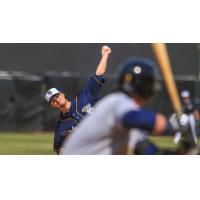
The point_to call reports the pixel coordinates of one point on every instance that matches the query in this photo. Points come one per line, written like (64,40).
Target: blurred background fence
(27,70)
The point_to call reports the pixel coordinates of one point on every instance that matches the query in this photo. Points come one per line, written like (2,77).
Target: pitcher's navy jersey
(80,105)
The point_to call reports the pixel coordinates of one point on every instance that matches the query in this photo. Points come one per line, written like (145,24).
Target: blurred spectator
(190,108)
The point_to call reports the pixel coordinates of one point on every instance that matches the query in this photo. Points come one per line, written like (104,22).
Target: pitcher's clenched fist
(105,50)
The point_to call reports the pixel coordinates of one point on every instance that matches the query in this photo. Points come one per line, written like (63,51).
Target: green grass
(163,141)
(28,143)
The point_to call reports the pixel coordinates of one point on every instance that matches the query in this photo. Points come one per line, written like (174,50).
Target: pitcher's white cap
(50,93)
(185,94)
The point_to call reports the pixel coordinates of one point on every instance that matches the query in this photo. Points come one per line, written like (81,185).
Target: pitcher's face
(59,101)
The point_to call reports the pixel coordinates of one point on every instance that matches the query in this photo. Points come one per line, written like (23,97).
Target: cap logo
(137,69)
(49,92)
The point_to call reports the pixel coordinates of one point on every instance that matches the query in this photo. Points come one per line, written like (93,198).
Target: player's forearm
(101,69)
(105,52)
(161,125)
(149,121)
(196,115)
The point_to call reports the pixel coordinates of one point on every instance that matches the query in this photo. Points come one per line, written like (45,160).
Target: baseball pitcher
(73,111)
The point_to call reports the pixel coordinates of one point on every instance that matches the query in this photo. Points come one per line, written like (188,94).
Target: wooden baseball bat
(161,54)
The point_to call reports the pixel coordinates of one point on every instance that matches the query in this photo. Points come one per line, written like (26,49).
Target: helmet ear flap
(127,85)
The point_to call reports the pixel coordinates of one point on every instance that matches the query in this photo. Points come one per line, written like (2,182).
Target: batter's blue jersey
(80,106)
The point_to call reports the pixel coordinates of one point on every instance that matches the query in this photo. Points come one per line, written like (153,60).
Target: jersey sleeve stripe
(77,107)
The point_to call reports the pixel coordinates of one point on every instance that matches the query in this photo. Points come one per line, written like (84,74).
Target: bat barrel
(162,58)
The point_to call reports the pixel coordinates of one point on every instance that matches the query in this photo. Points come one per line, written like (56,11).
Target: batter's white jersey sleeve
(101,132)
